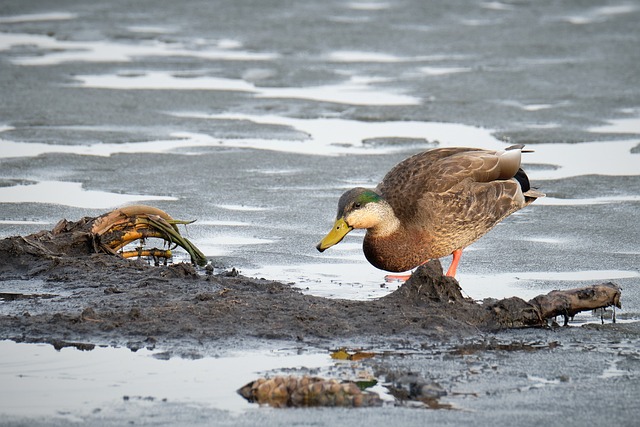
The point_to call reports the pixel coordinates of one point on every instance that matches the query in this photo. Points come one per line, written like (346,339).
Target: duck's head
(357,208)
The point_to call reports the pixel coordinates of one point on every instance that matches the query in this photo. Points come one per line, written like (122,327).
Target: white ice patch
(532,107)
(62,51)
(441,71)
(610,158)
(225,245)
(353,281)
(242,208)
(150,29)
(356,56)
(362,5)
(222,223)
(355,91)
(552,201)
(628,125)
(547,240)
(601,14)
(523,284)
(32,149)
(37,17)
(331,136)
(496,5)
(163,80)
(69,194)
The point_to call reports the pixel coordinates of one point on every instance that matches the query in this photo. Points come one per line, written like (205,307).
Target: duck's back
(442,170)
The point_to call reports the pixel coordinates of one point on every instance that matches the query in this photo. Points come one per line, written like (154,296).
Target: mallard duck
(433,204)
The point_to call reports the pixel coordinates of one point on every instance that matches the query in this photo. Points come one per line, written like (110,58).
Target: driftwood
(515,312)
(570,302)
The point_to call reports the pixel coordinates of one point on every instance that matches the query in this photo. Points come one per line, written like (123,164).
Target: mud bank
(102,298)
(99,298)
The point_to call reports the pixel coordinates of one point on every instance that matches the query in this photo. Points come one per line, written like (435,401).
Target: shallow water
(38,380)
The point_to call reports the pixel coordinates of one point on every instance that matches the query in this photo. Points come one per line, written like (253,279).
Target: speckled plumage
(444,199)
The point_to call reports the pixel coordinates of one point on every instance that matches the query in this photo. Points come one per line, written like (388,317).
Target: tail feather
(530,194)
(523,180)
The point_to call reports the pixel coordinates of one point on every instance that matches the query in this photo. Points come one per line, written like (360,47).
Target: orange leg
(397,277)
(457,254)
(400,277)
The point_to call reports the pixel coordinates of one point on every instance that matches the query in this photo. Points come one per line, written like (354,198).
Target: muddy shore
(424,336)
(104,299)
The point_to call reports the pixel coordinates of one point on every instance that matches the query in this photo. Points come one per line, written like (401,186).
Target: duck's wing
(455,219)
(442,170)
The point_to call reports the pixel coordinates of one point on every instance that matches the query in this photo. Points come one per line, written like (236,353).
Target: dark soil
(105,299)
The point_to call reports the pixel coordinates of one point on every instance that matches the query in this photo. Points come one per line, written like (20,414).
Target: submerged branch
(515,312)
(572,301)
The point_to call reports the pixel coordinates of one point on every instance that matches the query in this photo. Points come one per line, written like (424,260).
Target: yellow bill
(335,236)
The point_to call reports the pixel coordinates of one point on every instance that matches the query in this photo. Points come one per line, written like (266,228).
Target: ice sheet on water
(70,194)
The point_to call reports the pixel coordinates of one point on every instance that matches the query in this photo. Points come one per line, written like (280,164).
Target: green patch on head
(368,196)
(355,199)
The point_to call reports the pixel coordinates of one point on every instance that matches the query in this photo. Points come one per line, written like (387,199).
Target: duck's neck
(387,222)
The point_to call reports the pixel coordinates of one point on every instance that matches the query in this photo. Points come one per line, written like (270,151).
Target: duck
(432,205)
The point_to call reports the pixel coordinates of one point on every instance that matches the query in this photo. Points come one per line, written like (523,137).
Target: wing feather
(443,170)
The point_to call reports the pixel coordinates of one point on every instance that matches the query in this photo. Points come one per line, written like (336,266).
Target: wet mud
(105,299)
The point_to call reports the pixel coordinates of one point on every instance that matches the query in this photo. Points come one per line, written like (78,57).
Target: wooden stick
(572,301)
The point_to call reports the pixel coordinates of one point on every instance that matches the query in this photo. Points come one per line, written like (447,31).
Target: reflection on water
(630,125)
(222,245)
(610,158)
(37,380)
(361,281)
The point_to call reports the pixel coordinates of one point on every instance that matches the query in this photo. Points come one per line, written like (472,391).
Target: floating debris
(343,354)
(306,391)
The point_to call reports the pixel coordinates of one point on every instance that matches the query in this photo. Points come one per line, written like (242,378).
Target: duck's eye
(357,205)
